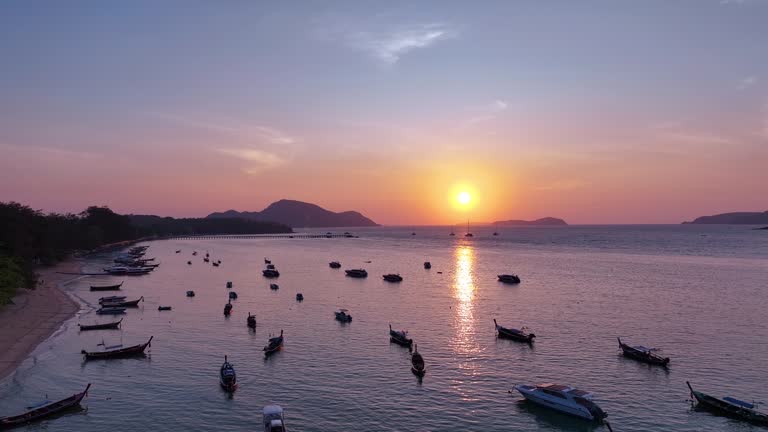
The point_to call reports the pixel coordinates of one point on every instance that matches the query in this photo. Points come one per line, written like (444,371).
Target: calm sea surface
(698,292)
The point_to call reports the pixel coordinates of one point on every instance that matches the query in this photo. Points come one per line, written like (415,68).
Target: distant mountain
(156,225)
(547,221)
(298,214)
(740,218)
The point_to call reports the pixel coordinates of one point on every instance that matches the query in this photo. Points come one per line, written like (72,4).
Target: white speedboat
(273,419)
(563,398)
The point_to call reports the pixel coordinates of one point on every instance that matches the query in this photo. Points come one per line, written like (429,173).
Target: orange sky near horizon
(388,109)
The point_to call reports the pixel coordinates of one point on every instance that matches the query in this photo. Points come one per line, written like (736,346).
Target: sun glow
(464,198)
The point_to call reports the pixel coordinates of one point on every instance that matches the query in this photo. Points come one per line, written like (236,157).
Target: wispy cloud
(261,158)
(484,113)
(390,46)
(747,82)
(263,147)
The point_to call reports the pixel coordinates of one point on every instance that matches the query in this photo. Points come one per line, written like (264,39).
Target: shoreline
(36,315)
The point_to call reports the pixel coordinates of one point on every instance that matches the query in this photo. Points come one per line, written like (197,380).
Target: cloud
(253,155)
(390,46)
(486,113)
(747,82)
(262,147)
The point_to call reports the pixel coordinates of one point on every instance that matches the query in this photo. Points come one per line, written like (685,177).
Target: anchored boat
(730,407)
(44,411)
(227,376)
(273,419)
(106,326)
(400,337)
(274,345)
(521,335)
(357,273)
(118,352)
(563,398)
(643,354)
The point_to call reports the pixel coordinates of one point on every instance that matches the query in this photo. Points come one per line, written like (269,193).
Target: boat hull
(133,351)
(44,411)
(567,409)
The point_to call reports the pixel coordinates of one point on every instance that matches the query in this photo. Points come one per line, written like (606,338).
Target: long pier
(259,236)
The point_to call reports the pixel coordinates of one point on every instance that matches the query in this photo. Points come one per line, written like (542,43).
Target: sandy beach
(35,315)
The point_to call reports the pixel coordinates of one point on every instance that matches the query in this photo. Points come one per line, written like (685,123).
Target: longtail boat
(643,354)
(131,351)
(123,304)
(111,299)
(227,376)
(730,407)
(417,363)
(251,321)
(41,412)
(106,287)
(521,335)
(274,344)
(107,326)
(111,310)
(400,337)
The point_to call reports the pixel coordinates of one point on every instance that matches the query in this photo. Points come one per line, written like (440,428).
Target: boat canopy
(739,402)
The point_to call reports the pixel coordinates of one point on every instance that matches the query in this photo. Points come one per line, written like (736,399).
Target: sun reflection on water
(465,344)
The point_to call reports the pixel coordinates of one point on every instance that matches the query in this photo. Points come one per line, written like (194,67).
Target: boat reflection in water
(464,342)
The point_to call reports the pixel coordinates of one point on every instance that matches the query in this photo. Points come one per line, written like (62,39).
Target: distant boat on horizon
(468,234)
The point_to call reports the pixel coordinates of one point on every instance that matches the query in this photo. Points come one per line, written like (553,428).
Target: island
(547,221)
(738,218)
(298,214)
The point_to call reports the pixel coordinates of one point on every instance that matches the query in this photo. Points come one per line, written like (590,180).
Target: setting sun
(464,198)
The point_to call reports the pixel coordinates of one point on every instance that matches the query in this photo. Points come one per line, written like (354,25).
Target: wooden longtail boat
(273,345)
(124,304)
(227,376)
(106,287)
(643,354)
(417,363)
(111,299)
(730,407)
(131,351)
(521,335)
(43,411)
(107,326)
(111,310)
(400,337)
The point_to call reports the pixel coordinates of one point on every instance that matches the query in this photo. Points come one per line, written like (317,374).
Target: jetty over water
(261,236)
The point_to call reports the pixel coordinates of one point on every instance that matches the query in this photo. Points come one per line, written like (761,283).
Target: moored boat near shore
(41,412)
(115,287)
(105,326)
(730,407)
(118,352)
(122,303)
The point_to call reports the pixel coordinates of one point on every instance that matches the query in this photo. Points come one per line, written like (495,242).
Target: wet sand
(35,316)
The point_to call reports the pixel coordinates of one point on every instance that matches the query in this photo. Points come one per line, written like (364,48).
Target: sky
(612,111)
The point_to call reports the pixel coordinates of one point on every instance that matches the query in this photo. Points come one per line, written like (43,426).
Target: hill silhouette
(547,221)
(738,218)
(298,214)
